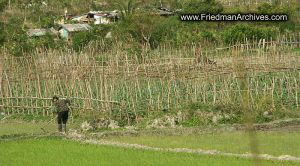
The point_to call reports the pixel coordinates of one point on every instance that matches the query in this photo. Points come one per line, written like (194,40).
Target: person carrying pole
(62,108)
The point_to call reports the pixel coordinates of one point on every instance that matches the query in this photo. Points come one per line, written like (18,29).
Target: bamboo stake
(101,93)
(46,94)
(17,94)
(9,102)
(106,94)
(215,92)
(296,92)
(97,92)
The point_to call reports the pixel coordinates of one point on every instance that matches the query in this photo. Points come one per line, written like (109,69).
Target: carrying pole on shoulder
(43,127)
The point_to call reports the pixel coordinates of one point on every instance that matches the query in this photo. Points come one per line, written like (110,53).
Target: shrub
(2,34)
(81,39)
(46,41)
(141,28)
(17,41)
(203,6)
(285,26)
(208,35)
(239,32)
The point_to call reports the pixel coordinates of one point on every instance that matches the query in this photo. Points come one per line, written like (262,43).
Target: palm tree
(127,9)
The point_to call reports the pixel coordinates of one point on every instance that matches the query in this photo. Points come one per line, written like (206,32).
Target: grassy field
(138,92)
(273,142)
(18,127)
(13,127)
(49,151)
(45,150)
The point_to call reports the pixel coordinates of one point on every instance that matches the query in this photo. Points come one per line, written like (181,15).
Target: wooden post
(22,92)
(296,91)
(1,74)
(272,91)
(215,92)
(46,94)
(101,93)
(11,105)
(264,43)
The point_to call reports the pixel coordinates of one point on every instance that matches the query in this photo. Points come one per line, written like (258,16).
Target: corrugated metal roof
(76,27)
(37,32)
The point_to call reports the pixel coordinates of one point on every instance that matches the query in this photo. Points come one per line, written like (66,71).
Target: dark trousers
(62,118)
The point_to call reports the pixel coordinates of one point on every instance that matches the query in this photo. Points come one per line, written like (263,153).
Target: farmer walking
(62,110)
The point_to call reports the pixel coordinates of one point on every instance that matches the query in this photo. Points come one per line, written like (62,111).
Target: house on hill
(68,30)
(37,32)
(165,12)
(98,17)
(41,32)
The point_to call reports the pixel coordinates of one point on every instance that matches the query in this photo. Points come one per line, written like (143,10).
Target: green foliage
(166,31)
(239,32)
(96,37)
(203,6)
(3,4)
(265,8)
(127,8)
(2,34)
(176,4)
(141,28)
(47,21)
(47,42)
(17,41)
(194,121)
(81,39)
(275,8)
(208,35)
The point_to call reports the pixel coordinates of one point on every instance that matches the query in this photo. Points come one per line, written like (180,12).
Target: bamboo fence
(126,87)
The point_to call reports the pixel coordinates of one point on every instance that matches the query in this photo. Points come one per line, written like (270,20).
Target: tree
(16,39)
(127,9)
(3,4)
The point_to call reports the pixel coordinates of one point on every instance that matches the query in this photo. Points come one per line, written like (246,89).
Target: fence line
(129,90)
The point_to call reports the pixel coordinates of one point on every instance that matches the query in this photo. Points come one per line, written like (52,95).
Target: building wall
(64,33)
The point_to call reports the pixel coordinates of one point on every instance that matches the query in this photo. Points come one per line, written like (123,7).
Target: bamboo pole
(272,92)
(22,92)
(215,92)
(46,94)
(106,95)
(101,93)
(97,92)
(296,92)
(9,90)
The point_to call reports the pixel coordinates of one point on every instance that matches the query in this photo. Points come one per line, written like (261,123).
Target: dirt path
(83,139)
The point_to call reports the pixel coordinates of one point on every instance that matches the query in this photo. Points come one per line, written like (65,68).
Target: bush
(203,6)
(142,28)
(3,4)
(209,36)
(46,41)
(16,40)
(2,34)
(81,39)
(239,32)
(285,26)
(166,31)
